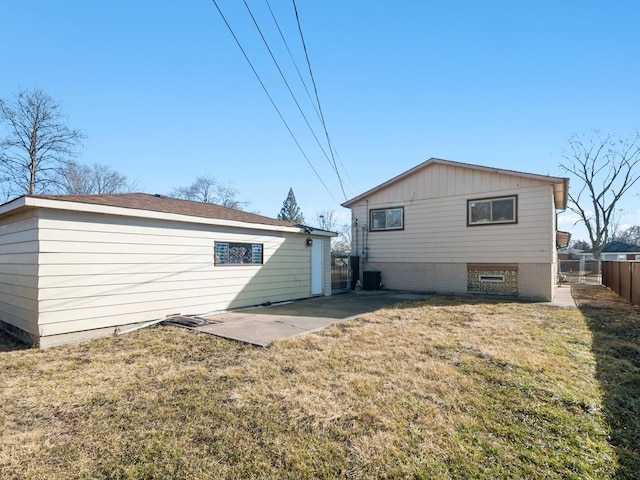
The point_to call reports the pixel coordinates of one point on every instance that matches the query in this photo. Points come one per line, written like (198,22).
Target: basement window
(237,253)
(387,219)
(486,211)
(491,278)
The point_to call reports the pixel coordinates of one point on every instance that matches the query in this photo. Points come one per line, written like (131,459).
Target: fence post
(635,283)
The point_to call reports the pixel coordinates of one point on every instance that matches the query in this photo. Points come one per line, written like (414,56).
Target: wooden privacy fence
(623,278)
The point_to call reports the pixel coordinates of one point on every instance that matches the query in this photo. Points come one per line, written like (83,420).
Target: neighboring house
(567,253)
(445,226)
(615,251)
(78,267)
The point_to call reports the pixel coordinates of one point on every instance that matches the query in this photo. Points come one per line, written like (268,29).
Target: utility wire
(271,99)
(315,89)
(284,40)
(304,84)
(284,79)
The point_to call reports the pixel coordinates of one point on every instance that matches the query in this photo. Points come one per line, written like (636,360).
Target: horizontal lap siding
(435,225)
(99,271)
(19,272)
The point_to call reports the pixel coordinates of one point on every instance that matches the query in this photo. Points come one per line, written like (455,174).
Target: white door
(316,267)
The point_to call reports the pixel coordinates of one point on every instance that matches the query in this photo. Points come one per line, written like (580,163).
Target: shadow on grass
(9,343)
(349,304)
(616,345)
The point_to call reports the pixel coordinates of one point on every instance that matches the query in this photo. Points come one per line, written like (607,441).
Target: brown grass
(441,388)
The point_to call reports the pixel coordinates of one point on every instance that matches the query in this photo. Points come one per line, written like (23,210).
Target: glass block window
(486,211)
(500,279)
(238,253)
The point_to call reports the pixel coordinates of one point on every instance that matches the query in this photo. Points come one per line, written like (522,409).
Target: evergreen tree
(581,245)
(290,211)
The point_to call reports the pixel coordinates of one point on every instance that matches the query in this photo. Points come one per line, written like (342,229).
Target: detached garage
(79,267)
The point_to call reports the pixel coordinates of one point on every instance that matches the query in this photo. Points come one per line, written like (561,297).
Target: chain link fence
(580,272)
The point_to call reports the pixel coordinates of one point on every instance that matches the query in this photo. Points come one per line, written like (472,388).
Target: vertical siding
(435,222)
(100,271)
(19,272)
(436,231)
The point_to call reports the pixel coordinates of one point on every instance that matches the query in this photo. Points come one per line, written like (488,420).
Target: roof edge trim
(431,161)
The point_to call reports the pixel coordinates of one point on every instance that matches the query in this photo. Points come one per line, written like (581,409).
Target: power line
(271,98)
(315,89)
(304,84)
(288,86)
(286,44)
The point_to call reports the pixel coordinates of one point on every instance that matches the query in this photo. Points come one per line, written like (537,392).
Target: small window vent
(491,278)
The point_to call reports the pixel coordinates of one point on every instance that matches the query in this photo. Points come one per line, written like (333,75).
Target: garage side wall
(19,276)
(99,271)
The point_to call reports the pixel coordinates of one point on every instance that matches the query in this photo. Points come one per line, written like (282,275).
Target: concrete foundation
(535,281)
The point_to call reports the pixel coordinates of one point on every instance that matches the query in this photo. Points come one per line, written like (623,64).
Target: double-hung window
(227,253)
(497,210)
(387,219)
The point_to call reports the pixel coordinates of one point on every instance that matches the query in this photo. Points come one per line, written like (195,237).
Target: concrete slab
(562,297)
(262,330)
(262,326)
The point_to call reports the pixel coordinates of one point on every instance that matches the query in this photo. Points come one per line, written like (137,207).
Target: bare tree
(631,236)
(38,145)
(328,220)
(79,179)
(207,189)
(343,241)
(605,168)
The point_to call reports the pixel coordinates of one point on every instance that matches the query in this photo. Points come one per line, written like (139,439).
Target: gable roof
(620,247)
(560,184)
(161,203)
(155,206)
(614,247)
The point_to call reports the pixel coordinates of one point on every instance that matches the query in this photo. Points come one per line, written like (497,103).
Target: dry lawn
(441,388)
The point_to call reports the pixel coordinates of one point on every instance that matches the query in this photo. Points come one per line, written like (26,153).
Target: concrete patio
(262,325)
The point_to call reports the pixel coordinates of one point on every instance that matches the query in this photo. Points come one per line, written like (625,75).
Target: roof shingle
(161,203)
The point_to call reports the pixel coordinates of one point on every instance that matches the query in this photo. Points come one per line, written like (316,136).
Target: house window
(387,219)
(485,211)
(238,253)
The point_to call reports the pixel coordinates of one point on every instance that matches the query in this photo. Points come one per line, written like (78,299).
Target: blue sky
(164,94)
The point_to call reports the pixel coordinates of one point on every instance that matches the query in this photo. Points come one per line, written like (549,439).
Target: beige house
(451,227)
(78,267)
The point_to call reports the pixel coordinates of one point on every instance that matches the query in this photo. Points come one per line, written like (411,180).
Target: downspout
(354,226)
(365,227)
(354,258)
(365,243)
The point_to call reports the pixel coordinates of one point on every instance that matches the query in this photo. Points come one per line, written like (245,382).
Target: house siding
(99,271)
(19,275)
(436,232)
